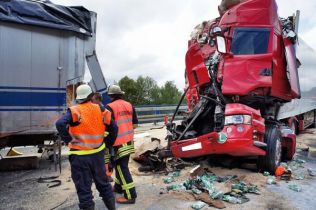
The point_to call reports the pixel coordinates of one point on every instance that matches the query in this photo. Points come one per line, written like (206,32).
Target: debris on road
(211,202)
(295,188)
(198,205)
(171,177)
(235,200)
(146,155)
(311,172)
(271,180)
(298,176)
(266,173)
(213,189)
(280,171)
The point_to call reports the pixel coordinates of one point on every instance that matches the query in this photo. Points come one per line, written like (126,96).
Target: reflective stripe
(119,122)
(128,186)
(122,149)
(91,145)
(126,153)
(107,158)
(125,149)
(87,152)
(128,193)
(126,133)
(117,181)
(83,136)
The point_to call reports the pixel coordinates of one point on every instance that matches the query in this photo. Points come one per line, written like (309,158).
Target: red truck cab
(240,68)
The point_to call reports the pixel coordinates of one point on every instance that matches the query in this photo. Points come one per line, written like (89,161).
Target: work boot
(123,200)
(89,208)
(110,203)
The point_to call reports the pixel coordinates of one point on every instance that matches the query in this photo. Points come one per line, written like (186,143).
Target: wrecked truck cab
(241,70)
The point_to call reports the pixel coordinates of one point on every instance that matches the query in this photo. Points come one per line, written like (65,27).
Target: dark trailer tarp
(46,14)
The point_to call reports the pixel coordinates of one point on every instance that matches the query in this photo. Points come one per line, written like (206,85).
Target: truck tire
(272,159)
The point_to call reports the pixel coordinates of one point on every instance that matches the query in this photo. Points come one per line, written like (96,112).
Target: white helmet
(115,90)
(83,91)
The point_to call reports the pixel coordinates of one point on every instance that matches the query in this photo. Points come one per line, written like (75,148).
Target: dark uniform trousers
(84,169)
(123,178)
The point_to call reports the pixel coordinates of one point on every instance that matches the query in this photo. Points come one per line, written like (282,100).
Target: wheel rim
(278,152)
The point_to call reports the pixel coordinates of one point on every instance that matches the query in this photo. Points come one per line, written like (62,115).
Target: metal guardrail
(157,113)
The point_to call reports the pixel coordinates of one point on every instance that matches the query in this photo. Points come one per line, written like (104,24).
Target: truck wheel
(272,159)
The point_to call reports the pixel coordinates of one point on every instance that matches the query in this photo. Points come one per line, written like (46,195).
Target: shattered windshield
(250,41)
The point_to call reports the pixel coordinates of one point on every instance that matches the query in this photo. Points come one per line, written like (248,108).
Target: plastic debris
(174,173)
(206,198)
(198,205)
(176,187)
(244,188)
(299,176)
(235,200)
(171,177)
(280,170)
(207,187)
(231,199)
(217,194)
(300,161)
(266,173)
(271,180)
(311,172)
(168,180)
(295,188)
(196,191)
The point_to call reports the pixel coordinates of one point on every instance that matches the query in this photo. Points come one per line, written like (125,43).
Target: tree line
(145,91)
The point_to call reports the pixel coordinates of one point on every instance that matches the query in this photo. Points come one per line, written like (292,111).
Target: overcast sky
(149,37)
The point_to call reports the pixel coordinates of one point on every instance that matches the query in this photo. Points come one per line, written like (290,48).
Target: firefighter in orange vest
(126,120)
(85,139)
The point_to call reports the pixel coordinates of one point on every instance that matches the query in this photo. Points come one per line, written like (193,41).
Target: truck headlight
(237,119)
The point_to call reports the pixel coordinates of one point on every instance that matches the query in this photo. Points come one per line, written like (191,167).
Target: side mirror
(221,44)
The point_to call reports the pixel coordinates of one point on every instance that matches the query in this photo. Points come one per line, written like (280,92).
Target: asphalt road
(21,189)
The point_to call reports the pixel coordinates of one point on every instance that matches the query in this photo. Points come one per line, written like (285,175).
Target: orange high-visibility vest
(89,133)
(123,114)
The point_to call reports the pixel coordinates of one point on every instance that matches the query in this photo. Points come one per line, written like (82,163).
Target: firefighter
(108,157)
(126,119)
(85,139)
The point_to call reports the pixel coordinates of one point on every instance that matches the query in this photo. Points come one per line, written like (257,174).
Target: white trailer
(44,49)
(301,113)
